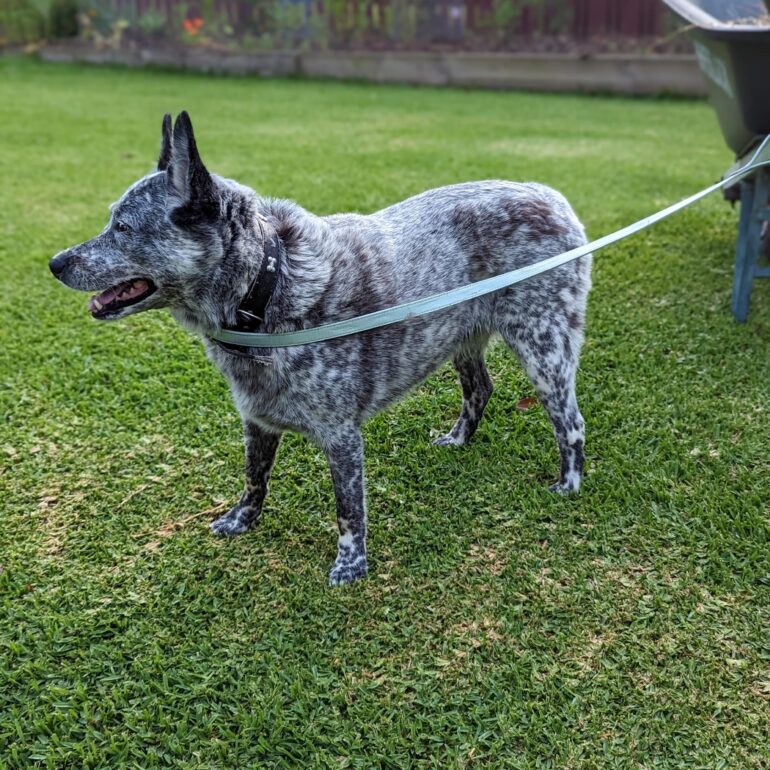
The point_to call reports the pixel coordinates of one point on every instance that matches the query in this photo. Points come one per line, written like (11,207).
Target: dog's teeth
(97,305)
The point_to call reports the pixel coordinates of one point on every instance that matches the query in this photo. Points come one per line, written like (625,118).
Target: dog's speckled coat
(199,239)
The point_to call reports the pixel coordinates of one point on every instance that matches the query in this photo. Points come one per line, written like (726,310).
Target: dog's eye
(122,227)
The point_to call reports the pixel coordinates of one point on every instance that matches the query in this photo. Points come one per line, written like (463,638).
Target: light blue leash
(447,299)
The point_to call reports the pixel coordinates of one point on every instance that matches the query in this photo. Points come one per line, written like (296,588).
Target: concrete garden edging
(630,74)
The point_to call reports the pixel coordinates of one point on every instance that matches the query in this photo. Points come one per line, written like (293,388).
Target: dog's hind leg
(548,346)
(261,446)
(345,452)
(477,388)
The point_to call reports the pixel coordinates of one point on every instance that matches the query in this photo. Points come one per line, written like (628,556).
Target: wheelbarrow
(732,44)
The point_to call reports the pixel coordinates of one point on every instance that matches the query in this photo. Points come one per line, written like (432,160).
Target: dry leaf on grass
(170,527)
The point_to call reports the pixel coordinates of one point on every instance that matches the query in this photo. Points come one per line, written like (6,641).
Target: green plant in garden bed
(63,19)
(500,626)
(151,23)
(21,21)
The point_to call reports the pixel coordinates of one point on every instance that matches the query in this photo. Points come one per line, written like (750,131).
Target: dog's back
(457,234)
(427,244)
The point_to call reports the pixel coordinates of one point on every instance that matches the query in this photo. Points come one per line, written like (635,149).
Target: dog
(220,256)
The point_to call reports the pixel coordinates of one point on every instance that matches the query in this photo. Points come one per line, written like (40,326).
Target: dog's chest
(267,394)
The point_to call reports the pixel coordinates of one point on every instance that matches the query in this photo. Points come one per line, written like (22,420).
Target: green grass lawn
(500,626)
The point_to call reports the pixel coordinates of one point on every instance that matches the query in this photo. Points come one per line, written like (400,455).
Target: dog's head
(161,239)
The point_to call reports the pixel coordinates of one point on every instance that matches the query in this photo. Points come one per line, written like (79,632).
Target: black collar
(250,314)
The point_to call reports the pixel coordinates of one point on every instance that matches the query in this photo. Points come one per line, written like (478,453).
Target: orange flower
(192,26)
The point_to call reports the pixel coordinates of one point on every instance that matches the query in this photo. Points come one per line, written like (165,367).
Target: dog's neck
(236,282)
(251,311)
(304,270)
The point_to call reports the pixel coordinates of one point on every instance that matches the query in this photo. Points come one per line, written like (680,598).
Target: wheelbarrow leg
(754,196)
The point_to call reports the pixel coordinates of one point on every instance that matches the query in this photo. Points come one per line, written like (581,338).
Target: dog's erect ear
(165,143)
(190,185)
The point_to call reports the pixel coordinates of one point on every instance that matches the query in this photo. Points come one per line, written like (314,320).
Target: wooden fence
(387,23)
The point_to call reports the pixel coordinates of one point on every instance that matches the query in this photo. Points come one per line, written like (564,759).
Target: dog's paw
(347,572)
(235,522)
(565,488)
(448,440)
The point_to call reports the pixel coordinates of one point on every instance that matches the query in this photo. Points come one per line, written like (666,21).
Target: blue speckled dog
(221,256)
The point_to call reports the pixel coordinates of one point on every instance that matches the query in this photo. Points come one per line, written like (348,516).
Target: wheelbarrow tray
(732,43)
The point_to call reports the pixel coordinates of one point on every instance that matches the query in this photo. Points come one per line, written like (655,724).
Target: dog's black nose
(59,262)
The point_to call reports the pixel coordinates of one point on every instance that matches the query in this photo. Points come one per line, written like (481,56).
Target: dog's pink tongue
(122,292)
(110,295)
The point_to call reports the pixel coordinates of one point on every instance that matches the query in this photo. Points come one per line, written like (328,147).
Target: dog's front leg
(261,446)
(345,452)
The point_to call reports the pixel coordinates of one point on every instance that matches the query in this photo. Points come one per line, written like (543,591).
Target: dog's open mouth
(123,295)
